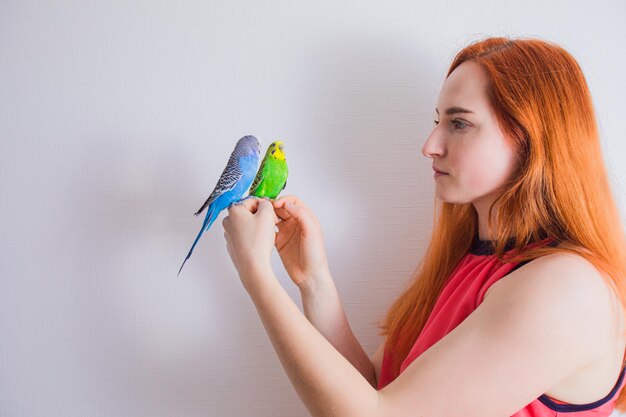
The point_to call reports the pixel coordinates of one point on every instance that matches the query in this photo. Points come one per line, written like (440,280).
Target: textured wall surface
(116,119)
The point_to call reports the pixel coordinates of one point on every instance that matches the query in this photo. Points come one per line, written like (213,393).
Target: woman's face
(470,147)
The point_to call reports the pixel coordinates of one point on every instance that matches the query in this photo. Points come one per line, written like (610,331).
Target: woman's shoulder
(566,260)
(566,294)
(570,283)
(575,286)
(597,316)
(560,268)
(572,267)
(567,273)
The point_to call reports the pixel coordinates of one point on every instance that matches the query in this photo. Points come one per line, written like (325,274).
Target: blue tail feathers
(208,221)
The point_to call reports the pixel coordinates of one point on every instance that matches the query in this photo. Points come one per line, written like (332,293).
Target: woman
(523,180)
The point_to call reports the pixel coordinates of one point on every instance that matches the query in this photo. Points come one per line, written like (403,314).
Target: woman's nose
(433,145)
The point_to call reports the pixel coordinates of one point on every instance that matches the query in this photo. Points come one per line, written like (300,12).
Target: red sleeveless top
(462,294)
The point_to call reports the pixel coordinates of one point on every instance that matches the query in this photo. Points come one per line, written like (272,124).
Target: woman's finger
(287,198)
(226,222)
(249,204)
(265,208)
(282,213)
(302,215)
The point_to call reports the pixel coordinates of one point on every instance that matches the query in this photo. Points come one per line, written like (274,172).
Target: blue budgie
(233,183)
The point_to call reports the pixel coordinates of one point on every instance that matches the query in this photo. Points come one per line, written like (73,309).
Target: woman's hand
(250,234)
(300,242)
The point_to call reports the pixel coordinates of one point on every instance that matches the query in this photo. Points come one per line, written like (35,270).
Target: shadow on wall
(371,99)
(158,343)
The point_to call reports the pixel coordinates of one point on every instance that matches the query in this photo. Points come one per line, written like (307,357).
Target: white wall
(116,120)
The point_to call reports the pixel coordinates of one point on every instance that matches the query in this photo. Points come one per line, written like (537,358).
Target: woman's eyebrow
(456,109)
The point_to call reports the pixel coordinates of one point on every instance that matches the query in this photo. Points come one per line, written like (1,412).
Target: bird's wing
(229,178)
(258,178)
(287,173)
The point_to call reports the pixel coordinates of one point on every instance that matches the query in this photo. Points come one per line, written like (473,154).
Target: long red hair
(561,187)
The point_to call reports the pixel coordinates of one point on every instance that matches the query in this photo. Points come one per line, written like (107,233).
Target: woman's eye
(457,122)
(460,125)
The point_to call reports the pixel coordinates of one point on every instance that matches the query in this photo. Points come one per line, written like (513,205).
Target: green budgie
(271,178)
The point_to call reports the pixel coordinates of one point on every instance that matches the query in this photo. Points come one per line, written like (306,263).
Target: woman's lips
(438,170)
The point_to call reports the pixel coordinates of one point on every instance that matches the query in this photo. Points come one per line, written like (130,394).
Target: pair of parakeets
(239,177)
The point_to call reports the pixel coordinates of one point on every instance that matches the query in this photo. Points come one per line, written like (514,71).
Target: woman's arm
(300,244)
(523,339)
(326,382)
(324,309)
(520,341)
